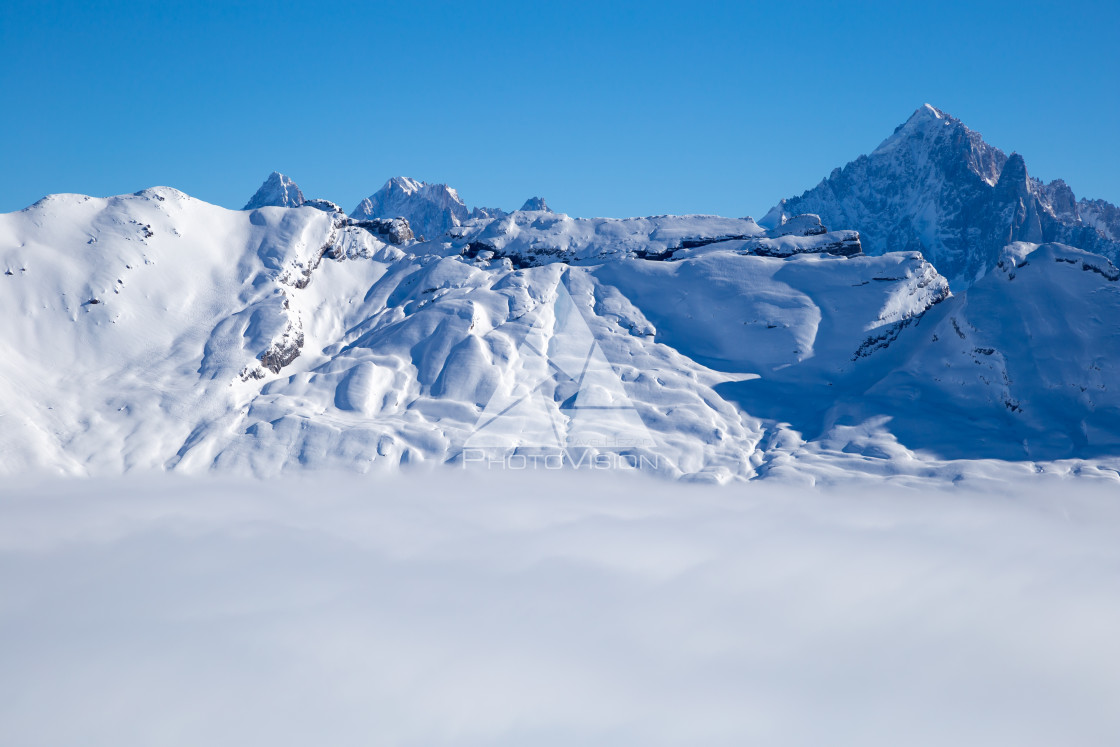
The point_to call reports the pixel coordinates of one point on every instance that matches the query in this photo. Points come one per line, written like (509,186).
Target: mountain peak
(1014,173)
(929,111)
(924,125)
(276,191)
(431,209)
(405,184)
(936,187)
(537,204)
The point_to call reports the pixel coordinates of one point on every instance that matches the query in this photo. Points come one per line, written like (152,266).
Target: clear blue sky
(606,108)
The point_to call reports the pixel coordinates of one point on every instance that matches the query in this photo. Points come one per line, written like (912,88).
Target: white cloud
(466,609)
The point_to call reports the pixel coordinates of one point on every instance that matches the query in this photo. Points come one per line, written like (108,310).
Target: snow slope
(1023,365)
(936,187)
(133,319)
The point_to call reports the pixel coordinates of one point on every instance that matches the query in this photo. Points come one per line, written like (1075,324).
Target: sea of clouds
(459,608)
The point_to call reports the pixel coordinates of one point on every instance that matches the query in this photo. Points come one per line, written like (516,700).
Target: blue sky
(603,108)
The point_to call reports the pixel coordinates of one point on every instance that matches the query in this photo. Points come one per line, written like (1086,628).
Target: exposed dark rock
(394,230)
(707,240)
(325,205)
(1109,271)
(659,256)
(281,354)
(843,244)
(482,250)
(883,339)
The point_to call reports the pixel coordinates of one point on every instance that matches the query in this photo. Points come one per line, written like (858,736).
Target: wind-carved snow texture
(561,362)
(936,187)
(277,338)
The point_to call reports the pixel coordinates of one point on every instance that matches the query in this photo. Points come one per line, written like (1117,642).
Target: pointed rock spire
(1014,177)
(277,191)
(536,203)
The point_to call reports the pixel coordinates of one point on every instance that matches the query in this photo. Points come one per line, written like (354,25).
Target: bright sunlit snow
(156,331)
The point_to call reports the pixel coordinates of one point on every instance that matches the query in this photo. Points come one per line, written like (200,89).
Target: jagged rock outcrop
(282,352)
(394,230)
(325,205)
(1101,215)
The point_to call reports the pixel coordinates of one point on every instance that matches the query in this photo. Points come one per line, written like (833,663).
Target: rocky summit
(937,187)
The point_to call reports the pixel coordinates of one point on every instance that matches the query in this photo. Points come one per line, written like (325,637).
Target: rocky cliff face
(1101,215)
(936,187)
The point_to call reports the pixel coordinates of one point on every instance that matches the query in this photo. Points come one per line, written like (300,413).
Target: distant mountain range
(430,209)
(156,331)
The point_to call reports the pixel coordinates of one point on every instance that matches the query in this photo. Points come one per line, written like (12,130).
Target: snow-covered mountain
(431,209)
(994,367)
(157,331)
(936,187)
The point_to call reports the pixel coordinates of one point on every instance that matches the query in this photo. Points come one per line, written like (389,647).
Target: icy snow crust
(156,331)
